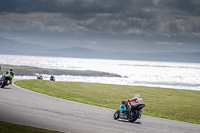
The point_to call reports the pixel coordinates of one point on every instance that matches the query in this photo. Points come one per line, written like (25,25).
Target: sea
(173,75)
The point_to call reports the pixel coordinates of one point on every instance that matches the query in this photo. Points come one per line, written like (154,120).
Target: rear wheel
(116,115)
(134,115)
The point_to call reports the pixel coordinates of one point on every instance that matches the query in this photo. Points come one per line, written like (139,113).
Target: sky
(112,25)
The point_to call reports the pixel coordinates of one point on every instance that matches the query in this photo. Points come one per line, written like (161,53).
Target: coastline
(33,71)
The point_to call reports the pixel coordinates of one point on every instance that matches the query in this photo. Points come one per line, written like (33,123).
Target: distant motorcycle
(4,80)
(52,78)
(132,114)
(40,77)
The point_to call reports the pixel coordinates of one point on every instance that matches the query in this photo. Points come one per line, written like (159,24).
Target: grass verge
(6,127)
(181,105)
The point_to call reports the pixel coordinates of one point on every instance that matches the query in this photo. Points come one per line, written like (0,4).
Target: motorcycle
(134,111)
(4,80)
(52,78)
(40,77)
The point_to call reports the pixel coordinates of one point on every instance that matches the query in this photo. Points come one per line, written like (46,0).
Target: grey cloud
(133,7)
(56,6)
(39,21)
(117,17)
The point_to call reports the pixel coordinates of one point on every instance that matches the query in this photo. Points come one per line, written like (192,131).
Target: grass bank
(6,127)
(181,105)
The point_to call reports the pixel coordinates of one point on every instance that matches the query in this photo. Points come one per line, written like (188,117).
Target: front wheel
(116,115)
(4,83)
(134,115)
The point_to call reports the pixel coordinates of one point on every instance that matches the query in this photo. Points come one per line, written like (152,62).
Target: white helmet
(137,95)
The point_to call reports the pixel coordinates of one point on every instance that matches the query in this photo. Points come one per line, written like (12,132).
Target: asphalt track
(21,106)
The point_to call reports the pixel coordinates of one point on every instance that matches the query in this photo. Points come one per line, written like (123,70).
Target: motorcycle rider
(39,77)
(11,75)
(136,99)
(52,77)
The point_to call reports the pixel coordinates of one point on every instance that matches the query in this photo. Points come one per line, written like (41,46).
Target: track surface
(21,106)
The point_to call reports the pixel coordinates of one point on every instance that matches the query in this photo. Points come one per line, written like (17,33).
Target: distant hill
(79,52)
(8,46)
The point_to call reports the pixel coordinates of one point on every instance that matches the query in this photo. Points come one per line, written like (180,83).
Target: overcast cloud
(134,25)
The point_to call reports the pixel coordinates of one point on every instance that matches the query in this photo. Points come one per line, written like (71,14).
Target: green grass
(175,104)
(6,127)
